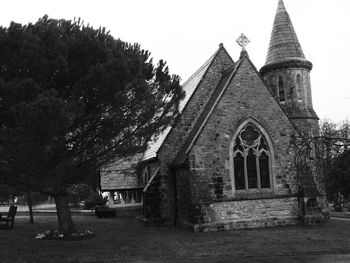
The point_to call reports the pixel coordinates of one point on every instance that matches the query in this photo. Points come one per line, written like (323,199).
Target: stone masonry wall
(309,127)
(289,81)
(183,190)
(246,214)
(151,166)
(184,124)
(210,164)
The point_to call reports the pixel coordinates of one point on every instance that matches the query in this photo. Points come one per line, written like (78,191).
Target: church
(230,159)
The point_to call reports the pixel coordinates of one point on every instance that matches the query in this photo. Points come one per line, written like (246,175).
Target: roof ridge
(178,160)
(203,66)
(203,117)
(154,146)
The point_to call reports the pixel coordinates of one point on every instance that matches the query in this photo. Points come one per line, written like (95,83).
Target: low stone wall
(245,214)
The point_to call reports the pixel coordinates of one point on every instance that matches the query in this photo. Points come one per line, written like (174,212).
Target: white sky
(185,33)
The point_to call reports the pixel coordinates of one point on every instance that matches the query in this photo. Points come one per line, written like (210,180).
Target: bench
(7,221)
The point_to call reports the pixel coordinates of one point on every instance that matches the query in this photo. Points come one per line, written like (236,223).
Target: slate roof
(113,177)
(120,174)
(284,43)
(191,84)
(154,145)
(215,97)
(189,87)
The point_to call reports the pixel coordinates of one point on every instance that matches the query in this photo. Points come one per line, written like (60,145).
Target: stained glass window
(239,171)
(251,170)
(264,170)
(251,159)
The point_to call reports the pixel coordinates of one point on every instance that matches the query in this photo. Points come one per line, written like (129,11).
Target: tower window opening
(281,93)
(299,88)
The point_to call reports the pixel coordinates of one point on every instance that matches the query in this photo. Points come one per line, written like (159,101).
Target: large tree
(73,98)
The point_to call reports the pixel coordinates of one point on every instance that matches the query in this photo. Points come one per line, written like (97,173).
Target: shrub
(53,234)
(95,200)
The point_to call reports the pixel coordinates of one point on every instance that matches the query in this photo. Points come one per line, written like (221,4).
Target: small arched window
(146,175)
(251,159)
(281,93)
(299,88)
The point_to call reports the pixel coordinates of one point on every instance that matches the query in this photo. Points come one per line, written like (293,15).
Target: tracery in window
(251,159)
(281,93)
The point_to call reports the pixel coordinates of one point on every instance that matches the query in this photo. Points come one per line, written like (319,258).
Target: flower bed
(53,234)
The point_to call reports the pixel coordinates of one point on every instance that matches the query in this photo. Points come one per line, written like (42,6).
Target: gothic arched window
(281,93)
(299,88)
(251,159)
(146,175)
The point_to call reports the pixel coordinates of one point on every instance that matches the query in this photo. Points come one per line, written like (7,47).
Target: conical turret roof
(284,43)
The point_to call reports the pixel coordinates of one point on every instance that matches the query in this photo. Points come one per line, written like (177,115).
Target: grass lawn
(125,240)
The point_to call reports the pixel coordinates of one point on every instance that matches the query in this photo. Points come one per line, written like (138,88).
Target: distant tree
(339,176)
(78,193)
(16,184)
(333,148)
(329,154)
(73,98)
(6,191)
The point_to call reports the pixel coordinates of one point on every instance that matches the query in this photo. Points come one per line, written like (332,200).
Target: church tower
(287,73)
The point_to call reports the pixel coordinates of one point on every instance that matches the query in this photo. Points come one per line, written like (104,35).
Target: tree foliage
(334,151)
(329,155)
(72,98)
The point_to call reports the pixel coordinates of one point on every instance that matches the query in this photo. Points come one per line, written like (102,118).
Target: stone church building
(229,161)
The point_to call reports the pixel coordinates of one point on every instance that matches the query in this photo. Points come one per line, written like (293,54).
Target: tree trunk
(30,205)
(65,222)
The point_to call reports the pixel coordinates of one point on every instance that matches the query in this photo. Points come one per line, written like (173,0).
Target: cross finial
(243,41)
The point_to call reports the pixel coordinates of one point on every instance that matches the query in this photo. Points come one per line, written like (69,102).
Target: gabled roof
(215,97)
(191,84)
(284,43)
(189,87)
(154,145)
